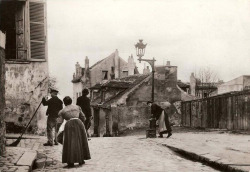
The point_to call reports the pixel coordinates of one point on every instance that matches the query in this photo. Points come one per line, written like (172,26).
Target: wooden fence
(227,111)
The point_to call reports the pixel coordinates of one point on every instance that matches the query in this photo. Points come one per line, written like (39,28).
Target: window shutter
(37,30)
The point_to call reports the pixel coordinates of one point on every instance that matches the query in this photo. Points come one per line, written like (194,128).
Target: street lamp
(140,51)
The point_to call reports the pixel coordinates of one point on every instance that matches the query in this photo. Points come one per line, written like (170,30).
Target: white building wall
(77,91)
(233,85)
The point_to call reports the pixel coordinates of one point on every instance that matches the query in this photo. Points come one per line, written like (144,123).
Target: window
(124,73)
(25,37)
(104,75)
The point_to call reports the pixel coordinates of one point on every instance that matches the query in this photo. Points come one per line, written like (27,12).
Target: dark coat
(54,106)
(84,103)
(156,110)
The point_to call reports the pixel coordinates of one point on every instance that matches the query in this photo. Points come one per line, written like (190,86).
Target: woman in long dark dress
(75,143)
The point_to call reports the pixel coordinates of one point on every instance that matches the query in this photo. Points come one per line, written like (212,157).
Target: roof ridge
(101,60)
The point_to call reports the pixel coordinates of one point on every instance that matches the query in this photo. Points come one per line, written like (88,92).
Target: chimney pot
(168,63)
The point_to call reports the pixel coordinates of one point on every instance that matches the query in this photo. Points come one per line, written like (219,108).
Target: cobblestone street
(133,153)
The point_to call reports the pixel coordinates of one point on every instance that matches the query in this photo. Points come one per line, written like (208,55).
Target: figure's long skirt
(162,125)
(75,144)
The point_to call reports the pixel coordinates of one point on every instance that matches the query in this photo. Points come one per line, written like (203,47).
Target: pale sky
(189,33)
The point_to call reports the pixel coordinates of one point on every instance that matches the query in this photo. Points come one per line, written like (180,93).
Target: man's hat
(52,90)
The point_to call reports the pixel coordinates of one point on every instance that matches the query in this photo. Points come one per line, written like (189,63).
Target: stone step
(27,159)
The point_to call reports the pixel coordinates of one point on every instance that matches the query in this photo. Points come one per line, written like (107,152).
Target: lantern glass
(140,48)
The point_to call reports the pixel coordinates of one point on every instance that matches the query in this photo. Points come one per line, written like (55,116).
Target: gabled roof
(111,55)
(97,63)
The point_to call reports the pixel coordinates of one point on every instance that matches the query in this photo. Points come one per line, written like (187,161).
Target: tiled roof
(117,84)
(131,82)
(182,84)
(96,86)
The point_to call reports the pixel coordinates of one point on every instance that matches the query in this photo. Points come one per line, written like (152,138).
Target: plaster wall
(25,86)
(130,117)
(77,88)
(246,82)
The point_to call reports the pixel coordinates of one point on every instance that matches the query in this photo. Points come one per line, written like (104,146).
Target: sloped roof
(113,54)
(97,63)
(182,84)
(117,84)
(96,86)
(131,82)
(76,80)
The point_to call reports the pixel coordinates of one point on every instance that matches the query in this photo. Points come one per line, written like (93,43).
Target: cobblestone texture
(136,153)
(224,148)
(7,162)
(133,153)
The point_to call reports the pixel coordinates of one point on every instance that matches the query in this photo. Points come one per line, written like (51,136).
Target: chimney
(117,64)
(168,63)
(146,70)
(131,65)
(192,84)
(78,70)
(86,62)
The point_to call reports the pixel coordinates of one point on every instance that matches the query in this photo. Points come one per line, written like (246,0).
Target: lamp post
(140,51)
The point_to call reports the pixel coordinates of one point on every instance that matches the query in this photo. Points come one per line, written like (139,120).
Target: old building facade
(121,103)
(108,68)
(24,23)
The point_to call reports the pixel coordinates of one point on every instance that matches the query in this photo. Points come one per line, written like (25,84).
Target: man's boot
(47,144)
(169,134)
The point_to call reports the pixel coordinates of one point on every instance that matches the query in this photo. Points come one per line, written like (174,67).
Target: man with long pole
(54,106)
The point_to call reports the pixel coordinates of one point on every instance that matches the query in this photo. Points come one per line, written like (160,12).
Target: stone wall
(25,86)
(2,94)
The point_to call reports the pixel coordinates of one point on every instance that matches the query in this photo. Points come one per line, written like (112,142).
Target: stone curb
(209,160)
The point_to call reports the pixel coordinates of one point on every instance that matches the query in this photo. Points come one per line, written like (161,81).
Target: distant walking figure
(84,102)
(161,114)
(54,106)
(75,144)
